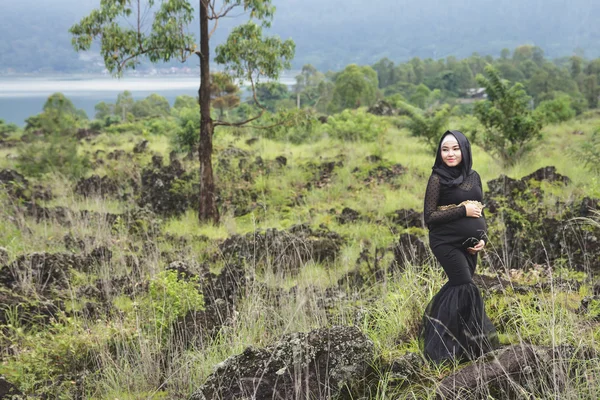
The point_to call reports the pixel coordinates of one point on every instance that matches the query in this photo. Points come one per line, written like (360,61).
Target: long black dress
(455,325)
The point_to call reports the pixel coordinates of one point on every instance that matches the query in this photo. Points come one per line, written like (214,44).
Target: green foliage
(47,362)
(124,106)
(355,125)
(428,125)
(271,94)
(104,110)
(354,87)
(312,88)
(588,152)
(55,153)
(248,55)
(59,115)
(170,297)
(510,127)
(122,45)
(56,149)
(292,125)
(185,101)
(7,129)
(152,106)
(556,110)
(185,138)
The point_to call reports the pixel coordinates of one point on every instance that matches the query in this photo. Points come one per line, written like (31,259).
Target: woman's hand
(477,248)
(473,210)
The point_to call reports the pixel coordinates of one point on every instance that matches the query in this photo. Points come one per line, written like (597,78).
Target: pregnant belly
(458,231)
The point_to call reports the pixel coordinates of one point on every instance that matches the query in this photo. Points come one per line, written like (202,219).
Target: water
(22,97)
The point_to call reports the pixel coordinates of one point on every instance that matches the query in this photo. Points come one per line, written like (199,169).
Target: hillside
(315,280)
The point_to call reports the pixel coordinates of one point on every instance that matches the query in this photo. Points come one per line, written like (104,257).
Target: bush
(170,297)
(427,125)
(556,110)
(588,152)
(187,134)
(55,153)
(355,125)
(292,125)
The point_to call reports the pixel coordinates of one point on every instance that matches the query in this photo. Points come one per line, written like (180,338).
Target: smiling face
(451,154)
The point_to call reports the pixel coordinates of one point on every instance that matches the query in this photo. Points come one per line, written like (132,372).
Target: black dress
(455,325)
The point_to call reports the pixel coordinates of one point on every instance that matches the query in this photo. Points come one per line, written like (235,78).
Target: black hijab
(454,176)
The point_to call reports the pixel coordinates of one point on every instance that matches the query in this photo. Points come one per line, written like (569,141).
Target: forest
(311,278)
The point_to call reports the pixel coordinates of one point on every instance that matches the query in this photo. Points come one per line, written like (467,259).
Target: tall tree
(246,54)
(354,87)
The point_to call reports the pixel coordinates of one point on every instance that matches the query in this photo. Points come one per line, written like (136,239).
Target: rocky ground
(110,289)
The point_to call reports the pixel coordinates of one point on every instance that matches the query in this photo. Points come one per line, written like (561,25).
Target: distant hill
(333,33)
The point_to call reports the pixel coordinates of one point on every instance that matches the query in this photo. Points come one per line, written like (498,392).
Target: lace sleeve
(430,212)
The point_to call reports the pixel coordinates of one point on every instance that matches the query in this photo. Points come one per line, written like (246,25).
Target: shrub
(291,125)
(427,125)
(170,297)
(510,127)
(355,125)
(556,110)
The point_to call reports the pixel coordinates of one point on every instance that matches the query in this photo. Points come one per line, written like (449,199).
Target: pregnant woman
(455,325)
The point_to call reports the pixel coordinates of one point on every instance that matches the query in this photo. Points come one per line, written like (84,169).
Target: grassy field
(127,352)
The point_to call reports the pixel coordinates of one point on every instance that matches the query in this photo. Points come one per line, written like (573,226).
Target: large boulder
(320,364)
(511,372)
(168,191)
(97,186)
(284,251)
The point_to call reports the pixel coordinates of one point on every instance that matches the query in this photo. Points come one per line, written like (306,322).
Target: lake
(22,97)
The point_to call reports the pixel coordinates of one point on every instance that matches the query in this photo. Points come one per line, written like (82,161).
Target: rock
(348,215)
(3,256)
(547,174)
(140,147)
(157,161)
(100,255)
(588,207)
(323,172)
(72,243)
(97,186)
(382,174)
(168,191)
(15,184)
(196,327)
(406,368)
(408,218)
(322,363)
(373,158)
(8,390)
(233,152)
(39,272)
(382,108)
(281,160)
(251,141)
(284,251)
(510,372)
(410,250)
(87,134)
(116,155)
(30,311)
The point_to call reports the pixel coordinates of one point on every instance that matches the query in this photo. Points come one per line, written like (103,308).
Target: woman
(455,325)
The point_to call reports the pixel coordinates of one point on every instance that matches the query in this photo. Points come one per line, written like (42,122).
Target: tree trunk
(207,210)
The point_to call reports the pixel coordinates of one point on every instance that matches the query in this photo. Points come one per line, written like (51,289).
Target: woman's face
(451,154)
